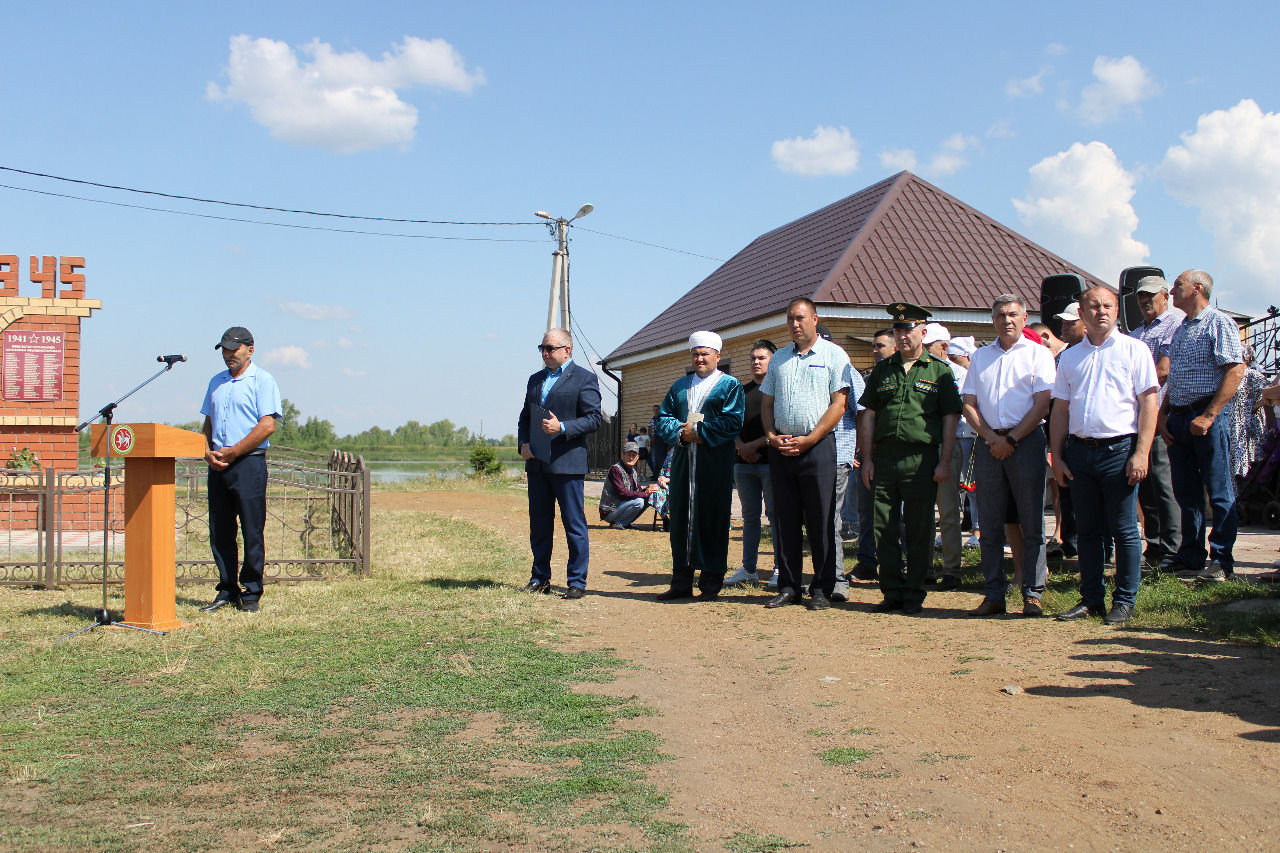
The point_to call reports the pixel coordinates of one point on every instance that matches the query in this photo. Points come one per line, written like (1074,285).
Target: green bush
(484,461)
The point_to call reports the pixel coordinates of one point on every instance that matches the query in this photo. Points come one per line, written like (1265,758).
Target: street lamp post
(558,305)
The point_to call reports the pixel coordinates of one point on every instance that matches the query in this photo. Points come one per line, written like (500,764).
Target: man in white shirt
(1102,427)
(1006,398)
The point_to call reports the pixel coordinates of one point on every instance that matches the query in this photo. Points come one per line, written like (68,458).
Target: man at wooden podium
(240,411)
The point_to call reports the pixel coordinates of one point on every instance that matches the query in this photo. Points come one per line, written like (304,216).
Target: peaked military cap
(905,315)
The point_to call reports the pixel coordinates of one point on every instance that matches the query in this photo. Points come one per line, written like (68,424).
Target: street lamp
(558,307)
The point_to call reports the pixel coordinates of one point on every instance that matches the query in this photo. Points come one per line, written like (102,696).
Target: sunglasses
(548,348)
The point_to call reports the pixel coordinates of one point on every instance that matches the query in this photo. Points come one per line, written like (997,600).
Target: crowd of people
(1134,435)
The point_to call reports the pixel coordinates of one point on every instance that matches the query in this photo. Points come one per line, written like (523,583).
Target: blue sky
(1112,133)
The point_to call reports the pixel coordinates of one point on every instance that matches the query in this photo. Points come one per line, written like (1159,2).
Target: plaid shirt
(1159,332)
(846,430)
(1200,352)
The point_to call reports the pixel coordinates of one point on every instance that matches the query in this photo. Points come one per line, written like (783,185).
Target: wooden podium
(149,451)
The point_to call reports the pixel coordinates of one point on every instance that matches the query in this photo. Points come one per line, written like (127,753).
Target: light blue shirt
(801,385)
(549,381)
(1200,353)
(235,405)
(846,431)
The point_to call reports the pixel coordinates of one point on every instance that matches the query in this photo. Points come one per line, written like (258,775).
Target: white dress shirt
(1102,385)
(1005,381)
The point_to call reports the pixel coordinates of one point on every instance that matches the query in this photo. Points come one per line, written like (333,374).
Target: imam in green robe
(703,546)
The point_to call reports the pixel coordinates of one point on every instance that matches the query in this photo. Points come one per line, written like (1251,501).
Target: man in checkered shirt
(1205,362)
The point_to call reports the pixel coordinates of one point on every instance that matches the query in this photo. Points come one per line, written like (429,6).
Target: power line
(264,222)
(250,206)
(651,245)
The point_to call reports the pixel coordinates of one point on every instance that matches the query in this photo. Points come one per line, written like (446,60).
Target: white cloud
(899,158)
(1229,167)
(287,356)
(830,151)
(1078,206)
(351,371)
(1002,129)
(1032,85)
(1120,83)
(342,102)
(307,311)
(345,343)
(948,159)
(1054,48)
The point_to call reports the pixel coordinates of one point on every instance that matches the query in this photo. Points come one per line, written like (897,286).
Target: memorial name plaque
(33,365)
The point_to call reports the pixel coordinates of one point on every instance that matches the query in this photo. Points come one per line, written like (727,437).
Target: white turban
(705,339)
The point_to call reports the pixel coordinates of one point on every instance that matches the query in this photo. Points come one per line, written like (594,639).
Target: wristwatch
(1013,442)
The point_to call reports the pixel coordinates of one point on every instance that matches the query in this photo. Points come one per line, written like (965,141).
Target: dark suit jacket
(575,400)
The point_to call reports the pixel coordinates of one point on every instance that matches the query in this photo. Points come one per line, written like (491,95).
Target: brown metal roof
(899,239)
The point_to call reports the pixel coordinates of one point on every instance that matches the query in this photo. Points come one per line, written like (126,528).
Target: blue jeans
(752,482)
(867,557)
(1106,506)
(1203,464)
(626,512)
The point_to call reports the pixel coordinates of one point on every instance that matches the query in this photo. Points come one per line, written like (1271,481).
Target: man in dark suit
(561,406)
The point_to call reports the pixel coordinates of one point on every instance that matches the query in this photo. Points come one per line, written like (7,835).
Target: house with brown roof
(899,239)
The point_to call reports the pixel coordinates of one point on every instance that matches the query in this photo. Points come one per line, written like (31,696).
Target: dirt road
(1112,739)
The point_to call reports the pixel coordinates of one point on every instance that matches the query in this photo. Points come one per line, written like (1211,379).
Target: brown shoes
(1031,606)
(988,608)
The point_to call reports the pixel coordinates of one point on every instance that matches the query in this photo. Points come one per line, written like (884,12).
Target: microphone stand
(106,413)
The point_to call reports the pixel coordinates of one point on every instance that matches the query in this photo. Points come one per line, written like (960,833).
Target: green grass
(428,707)
(1164,603)
(752,842)
(845,755)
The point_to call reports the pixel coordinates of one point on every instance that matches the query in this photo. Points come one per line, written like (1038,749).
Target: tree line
(314,433)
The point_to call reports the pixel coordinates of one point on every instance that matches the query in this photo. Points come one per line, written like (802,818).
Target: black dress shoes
(948,583)
(1120,613)
(787,596)
(707,595)
(887,606)
(911,608)
(573,593)
(247,606)
(819,601)
(673,594)
(543,587)
(216,604)
(1080,611)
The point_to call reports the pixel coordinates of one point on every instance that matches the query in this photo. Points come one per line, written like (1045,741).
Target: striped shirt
(1200,352)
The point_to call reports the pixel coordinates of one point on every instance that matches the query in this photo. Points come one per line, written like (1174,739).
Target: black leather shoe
(819,601)
(1120,613)
(1080,611)
(216,604)
(865,573)
(247,606)
(543,587)
(911,608)
(887,606)
(787,596)
(949,582)
(673,594)
(707,595)
(573,593)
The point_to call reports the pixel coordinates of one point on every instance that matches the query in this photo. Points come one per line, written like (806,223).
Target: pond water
(399,470)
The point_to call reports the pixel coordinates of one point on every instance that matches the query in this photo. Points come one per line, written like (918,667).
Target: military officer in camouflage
(912,407)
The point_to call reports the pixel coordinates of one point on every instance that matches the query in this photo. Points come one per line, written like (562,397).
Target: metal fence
(1263,337)
(317,522)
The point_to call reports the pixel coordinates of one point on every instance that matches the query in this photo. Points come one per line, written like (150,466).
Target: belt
(1102,442)
(1003,431)
(1193,406)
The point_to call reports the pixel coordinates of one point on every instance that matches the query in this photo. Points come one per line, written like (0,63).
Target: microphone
(170,360)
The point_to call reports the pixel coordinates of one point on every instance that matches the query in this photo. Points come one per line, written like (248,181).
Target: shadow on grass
(1179,672)
(454,583)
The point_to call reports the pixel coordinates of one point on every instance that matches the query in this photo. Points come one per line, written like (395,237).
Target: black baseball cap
(235,336)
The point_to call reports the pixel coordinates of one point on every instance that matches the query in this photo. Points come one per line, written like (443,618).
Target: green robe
(706,548)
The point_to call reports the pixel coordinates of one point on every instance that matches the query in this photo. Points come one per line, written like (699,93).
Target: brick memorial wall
(40,371)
